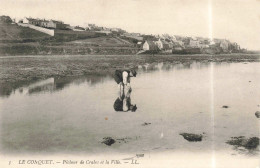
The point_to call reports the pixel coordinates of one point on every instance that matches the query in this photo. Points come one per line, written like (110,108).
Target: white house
(149,46)
(224,44)
(162,45)
(173,38)
(25,20)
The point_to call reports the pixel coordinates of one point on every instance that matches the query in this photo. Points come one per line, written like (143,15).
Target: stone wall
(41,29)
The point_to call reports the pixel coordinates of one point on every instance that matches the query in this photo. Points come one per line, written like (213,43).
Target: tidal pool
(73,115)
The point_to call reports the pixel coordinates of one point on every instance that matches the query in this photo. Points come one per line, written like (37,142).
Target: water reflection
(123,102)
(91,80)
(56,84)
(168,66)
(40,86)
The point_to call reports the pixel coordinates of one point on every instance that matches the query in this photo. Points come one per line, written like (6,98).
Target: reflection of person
(122,77)
(123,102)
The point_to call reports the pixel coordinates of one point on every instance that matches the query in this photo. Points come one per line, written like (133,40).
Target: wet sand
(172,99)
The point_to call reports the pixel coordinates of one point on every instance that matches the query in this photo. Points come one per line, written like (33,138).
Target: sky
(236,20)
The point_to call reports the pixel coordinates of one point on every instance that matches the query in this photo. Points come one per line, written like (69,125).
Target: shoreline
(17,71)
(86,55)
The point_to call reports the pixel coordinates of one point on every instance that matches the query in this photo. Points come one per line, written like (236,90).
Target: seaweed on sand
(241,141)
(108,141)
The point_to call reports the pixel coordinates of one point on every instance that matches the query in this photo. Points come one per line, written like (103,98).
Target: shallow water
(75,114)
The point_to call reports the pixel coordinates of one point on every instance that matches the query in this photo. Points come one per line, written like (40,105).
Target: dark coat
(118,76)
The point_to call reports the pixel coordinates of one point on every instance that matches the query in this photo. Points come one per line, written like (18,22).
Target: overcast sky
(236,20)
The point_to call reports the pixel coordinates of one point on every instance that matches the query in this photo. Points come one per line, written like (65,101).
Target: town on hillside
(146,44)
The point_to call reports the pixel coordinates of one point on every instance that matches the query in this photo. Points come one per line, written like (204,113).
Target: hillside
(15,33)
(105,41)
(17,40)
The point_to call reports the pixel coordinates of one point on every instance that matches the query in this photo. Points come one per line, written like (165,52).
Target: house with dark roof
(44,23)
(35,22)
(135,36)
(53,24)
(78,28)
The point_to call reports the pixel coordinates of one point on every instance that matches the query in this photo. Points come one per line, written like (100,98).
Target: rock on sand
(257,114)
(192,137)
(108,141)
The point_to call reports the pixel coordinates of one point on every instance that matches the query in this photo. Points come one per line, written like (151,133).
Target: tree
(5,19)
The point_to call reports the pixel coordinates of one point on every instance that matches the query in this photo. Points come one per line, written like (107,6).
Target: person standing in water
(122,77)
(123,102)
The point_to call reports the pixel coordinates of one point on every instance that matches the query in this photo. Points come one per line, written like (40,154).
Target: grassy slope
(103,41)
(10,32)
(17,40)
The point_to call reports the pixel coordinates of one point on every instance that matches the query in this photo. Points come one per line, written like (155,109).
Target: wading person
(122,77)
(123,102)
